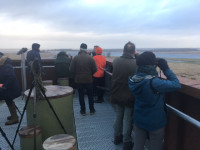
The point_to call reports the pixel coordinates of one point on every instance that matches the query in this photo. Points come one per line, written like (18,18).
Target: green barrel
(61,98)
(27,138)
(63,81)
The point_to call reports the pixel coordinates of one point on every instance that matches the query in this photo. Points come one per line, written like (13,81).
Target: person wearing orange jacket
(100,61)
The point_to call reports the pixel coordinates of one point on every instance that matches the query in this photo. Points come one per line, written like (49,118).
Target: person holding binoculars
(150,112)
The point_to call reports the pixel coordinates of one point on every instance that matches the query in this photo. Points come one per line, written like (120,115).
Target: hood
(136,82)
(61,54)
(99,50)
(35,46)
(62,57)
(3,60)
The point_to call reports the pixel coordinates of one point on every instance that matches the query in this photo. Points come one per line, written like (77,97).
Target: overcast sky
(108,23)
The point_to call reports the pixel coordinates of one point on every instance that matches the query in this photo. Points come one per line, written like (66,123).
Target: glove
(162,64)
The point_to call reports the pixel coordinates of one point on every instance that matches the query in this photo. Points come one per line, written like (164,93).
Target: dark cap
(146,58)
(83,46)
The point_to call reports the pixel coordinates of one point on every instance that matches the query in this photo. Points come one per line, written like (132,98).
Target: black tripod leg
(29,94)
(52,108)
(4,135)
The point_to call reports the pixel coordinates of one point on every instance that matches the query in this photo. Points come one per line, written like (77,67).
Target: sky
(56,24)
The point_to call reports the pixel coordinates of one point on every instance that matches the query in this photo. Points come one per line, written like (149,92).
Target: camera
(35,66)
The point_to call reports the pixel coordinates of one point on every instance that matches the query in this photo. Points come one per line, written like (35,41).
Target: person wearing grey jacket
(121,96)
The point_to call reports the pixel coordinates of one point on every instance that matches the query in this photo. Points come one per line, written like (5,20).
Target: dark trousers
(81,91)
(9,102)
(99,82)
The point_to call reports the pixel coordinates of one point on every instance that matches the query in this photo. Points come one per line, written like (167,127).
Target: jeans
(124,122)
(155,138)
(81,92)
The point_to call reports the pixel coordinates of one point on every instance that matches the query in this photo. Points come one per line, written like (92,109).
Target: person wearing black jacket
(9,88)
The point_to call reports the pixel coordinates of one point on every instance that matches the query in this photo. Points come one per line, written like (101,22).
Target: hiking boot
(118,139)
(127,146)
(14,116)
(83,112)
(92,111)
(13,120)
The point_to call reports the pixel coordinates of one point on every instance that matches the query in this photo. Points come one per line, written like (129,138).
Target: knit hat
(83,47)
(35,46)
(99,50)
(146,58)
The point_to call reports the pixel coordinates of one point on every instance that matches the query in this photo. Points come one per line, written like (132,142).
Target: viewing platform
(95,132)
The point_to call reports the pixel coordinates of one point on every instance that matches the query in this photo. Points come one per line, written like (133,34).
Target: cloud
(99,18)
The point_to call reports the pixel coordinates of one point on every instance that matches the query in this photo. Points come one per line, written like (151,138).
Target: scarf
(148,69)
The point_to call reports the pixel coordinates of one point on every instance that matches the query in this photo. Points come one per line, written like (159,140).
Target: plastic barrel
(60,142)
(27,138)
(61,98)
(63,81)
(47,82)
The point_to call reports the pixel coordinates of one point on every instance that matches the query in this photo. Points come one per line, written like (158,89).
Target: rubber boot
(14,116)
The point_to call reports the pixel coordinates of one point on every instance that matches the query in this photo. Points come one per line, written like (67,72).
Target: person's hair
(129,48)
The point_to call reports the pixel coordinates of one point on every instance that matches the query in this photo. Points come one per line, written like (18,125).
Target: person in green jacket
(82,68)
(62,65)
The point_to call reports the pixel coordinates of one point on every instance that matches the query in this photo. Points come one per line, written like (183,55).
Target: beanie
(99,50)
(35,46)
(146,58)
(83,47)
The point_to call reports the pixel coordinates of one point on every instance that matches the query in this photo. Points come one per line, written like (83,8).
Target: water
(164,55)
(183,55)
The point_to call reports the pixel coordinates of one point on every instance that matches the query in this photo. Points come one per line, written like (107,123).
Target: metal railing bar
(184,116)
(43,67)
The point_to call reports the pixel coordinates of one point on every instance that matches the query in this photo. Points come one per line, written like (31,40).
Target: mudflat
(189,68)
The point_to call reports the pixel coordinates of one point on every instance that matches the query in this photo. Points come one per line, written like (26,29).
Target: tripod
(4,135)
(34,112)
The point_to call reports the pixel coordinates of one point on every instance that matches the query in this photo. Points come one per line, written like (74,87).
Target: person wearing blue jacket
(34,54)
(150,115)
(9,88)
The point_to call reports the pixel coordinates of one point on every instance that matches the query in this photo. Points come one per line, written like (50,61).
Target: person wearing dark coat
(62,65)
(9,89)
(121,96)
(32,55)
(82,68)
(150,114)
